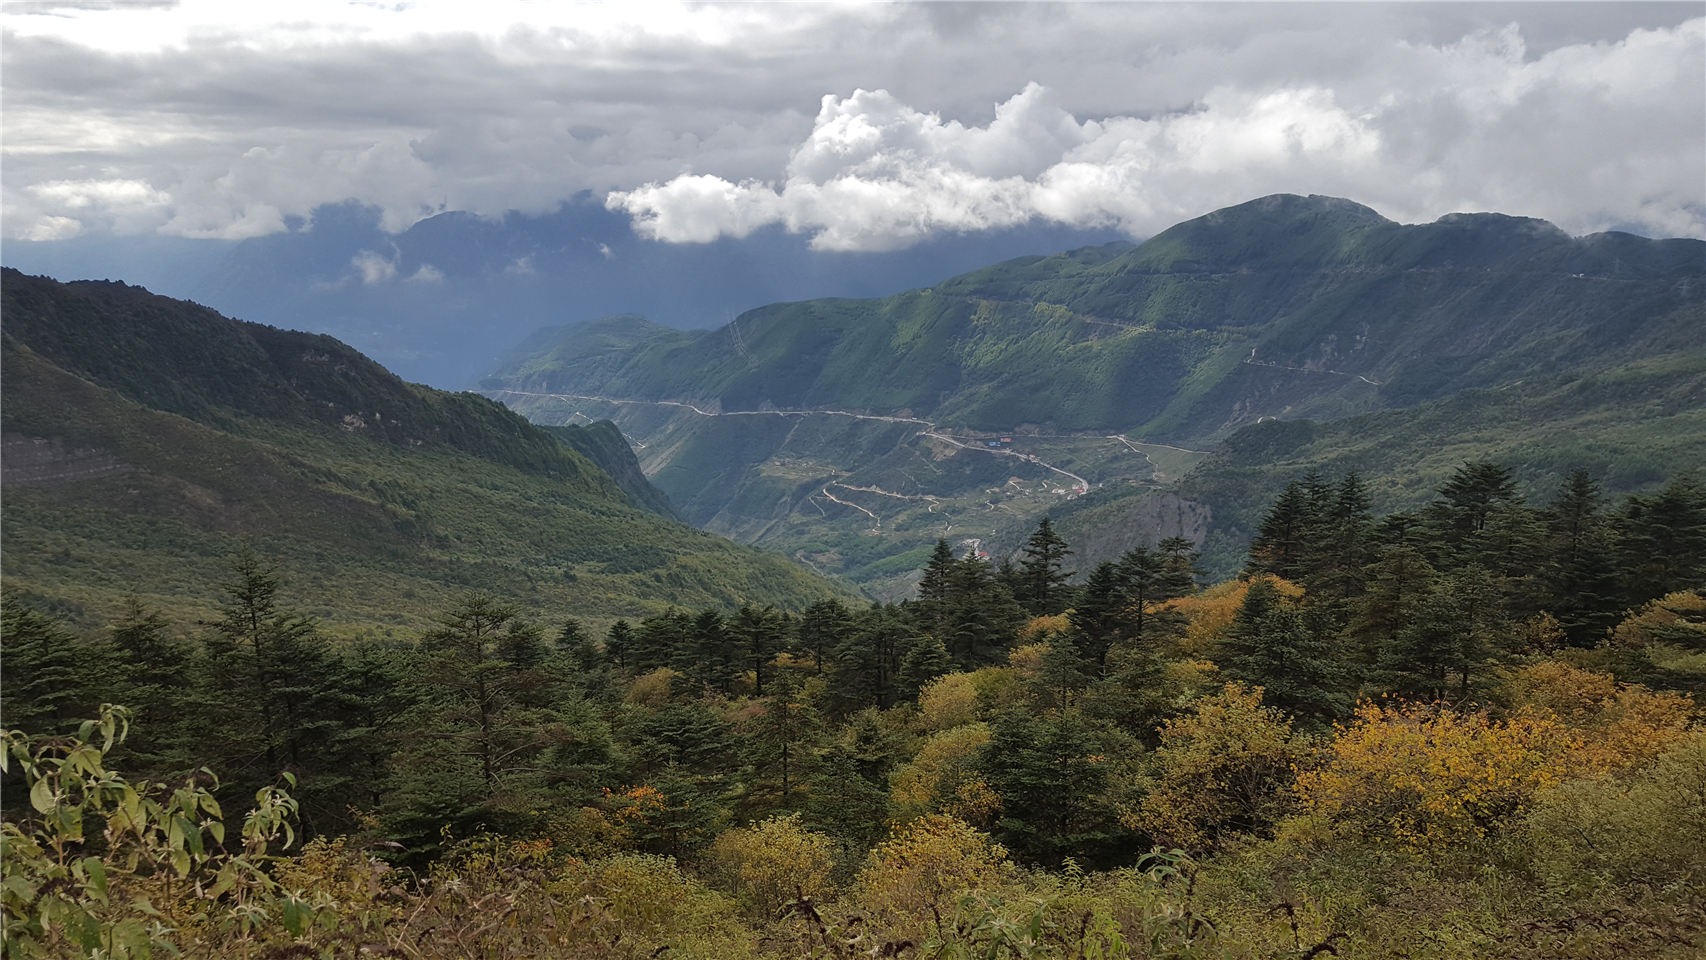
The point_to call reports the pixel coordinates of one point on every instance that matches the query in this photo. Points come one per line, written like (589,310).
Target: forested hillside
(1466,730)
(144,435)
(854,433)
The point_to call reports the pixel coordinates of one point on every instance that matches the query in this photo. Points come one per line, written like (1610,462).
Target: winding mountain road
(1083,485)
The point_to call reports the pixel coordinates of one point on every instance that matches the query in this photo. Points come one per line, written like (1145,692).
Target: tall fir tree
(1099,615)
(1281,543)
(267,670)
(1453,634)
(781,737)
(50,680)
(1580,575)
(982,619)
(1043,571)
(823,628)
(1664,541)
(619,644)
(1293,653)
(760,635)
(867,663)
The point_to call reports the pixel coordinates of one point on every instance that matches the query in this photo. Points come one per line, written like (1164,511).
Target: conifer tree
(1466,504)
(1344,545)
(476,700)
(1580,575)
(372,697)
(46,684)
(925,660)
(1051,776)
(1281,541)
(269,667)
(823,628)
(1292,653)
(708,658)
(1664,540)
(1099,615)
(150,674)
(1149,579)
(619,644)
(1453,633)
(661,641)
(1043,573)
(934,584)
(982,619)
(688,735)
(868,661)
(1396,582)
(760,635)
(576,647)
(781,737)
(1181,562)
(1062,675)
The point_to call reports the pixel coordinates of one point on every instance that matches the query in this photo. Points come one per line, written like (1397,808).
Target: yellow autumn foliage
(1219,768)
(1209,613)
(770,863)
(925,866)
(1620,724)
(1683,611)
(1431,778)
(948,701)
(1044,629)
(651,689)
(1645,827)
(658,907)
(937,777)
(1028,659)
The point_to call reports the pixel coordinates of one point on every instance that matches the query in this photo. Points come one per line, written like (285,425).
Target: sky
(432,181)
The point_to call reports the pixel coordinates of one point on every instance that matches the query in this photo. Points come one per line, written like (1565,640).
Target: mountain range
(1156,389)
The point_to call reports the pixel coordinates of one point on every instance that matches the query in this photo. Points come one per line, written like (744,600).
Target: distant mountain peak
(1294,205)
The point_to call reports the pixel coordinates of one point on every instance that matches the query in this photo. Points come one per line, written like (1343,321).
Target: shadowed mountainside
(143,435)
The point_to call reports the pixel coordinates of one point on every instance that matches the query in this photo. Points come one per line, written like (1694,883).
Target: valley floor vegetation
(1468,731)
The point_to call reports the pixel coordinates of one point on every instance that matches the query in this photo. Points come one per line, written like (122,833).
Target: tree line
(495,723)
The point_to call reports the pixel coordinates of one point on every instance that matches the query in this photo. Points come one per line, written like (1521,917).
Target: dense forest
(1464,731)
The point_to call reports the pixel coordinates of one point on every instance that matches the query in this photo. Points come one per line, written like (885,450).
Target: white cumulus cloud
(1479,125)
(373,267)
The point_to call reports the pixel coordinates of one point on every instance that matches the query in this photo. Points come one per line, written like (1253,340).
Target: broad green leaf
(97,872)
(41,796)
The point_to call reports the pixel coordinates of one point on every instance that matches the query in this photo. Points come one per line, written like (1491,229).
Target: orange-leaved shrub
(1620,724)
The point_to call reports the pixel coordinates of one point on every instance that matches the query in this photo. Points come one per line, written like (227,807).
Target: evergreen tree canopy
(1043,573)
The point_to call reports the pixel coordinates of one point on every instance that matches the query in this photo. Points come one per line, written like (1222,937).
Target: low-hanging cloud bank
(1475,125)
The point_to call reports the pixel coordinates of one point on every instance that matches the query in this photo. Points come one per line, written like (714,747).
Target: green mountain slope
(143,435)
(602,443)
(1285,306)
(1119,367)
